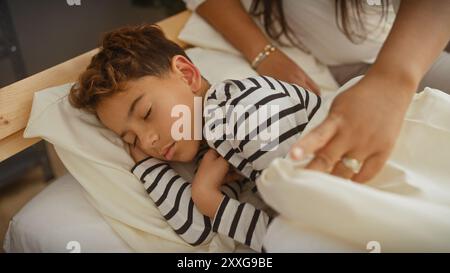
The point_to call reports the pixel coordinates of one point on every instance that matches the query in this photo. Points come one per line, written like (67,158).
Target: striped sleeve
(242,222)
(172,195)
(267,124)
(249,123)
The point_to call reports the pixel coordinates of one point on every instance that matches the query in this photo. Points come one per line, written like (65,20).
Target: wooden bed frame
(16,99)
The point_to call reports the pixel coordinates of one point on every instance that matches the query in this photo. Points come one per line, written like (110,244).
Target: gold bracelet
(262,55)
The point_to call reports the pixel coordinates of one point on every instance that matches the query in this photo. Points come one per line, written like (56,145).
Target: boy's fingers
(231,177)
(235,176)
(210,155)
(212,152)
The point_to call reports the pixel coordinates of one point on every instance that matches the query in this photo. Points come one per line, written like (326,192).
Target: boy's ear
(188,71)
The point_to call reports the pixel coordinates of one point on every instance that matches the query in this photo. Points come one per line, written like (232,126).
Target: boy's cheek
(186,152)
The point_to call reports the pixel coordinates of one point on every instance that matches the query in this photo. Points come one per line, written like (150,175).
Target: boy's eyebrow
(131,110)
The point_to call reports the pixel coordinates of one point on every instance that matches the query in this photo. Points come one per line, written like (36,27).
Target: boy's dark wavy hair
(125,54)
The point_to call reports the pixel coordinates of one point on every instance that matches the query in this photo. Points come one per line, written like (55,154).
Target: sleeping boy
(144,87)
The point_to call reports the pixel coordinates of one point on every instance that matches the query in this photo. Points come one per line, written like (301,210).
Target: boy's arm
(239,221)
(172,195)
(234,182)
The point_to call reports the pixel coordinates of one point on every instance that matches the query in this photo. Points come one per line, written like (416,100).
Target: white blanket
(406,207)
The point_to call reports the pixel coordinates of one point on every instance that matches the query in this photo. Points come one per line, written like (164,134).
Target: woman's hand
(279,66)
(363,123)
(245,35)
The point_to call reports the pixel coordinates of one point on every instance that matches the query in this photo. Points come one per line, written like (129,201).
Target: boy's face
(141,114)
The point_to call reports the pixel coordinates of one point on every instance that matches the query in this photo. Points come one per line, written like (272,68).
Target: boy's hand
(136,153)
(207,181)
(233,175)
(212,171)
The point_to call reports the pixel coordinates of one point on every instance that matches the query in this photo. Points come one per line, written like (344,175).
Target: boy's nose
(150,141)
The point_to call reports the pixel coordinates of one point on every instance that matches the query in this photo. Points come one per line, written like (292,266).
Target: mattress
(60,219)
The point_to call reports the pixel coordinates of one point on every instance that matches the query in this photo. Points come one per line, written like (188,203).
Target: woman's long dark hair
(348,18)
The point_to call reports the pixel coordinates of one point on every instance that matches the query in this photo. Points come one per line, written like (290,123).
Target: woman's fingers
(316,139)
(359,117)
(325,158)
(330,146)
(303,80)
(307,85)
(312,86)
(279,66)
(371,166)
(344,171)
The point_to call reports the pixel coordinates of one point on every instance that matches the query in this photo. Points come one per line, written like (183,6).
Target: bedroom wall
(51,31)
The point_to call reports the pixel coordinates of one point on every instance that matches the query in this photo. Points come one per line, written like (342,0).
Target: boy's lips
(168,150)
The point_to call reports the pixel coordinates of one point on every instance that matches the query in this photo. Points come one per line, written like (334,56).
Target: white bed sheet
(61,214)
(58,215)
(284,236)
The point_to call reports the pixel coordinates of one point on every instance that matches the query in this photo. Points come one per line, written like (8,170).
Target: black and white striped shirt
(237,113)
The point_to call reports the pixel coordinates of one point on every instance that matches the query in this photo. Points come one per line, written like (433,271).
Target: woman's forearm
(419,34)
(235,24)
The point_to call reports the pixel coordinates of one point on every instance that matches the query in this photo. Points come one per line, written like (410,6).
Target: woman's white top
(313,23)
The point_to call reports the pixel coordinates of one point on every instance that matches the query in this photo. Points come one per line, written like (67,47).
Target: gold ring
(352,163)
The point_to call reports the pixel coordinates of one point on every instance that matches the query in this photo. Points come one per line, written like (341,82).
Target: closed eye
(146,116)
(148,113)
